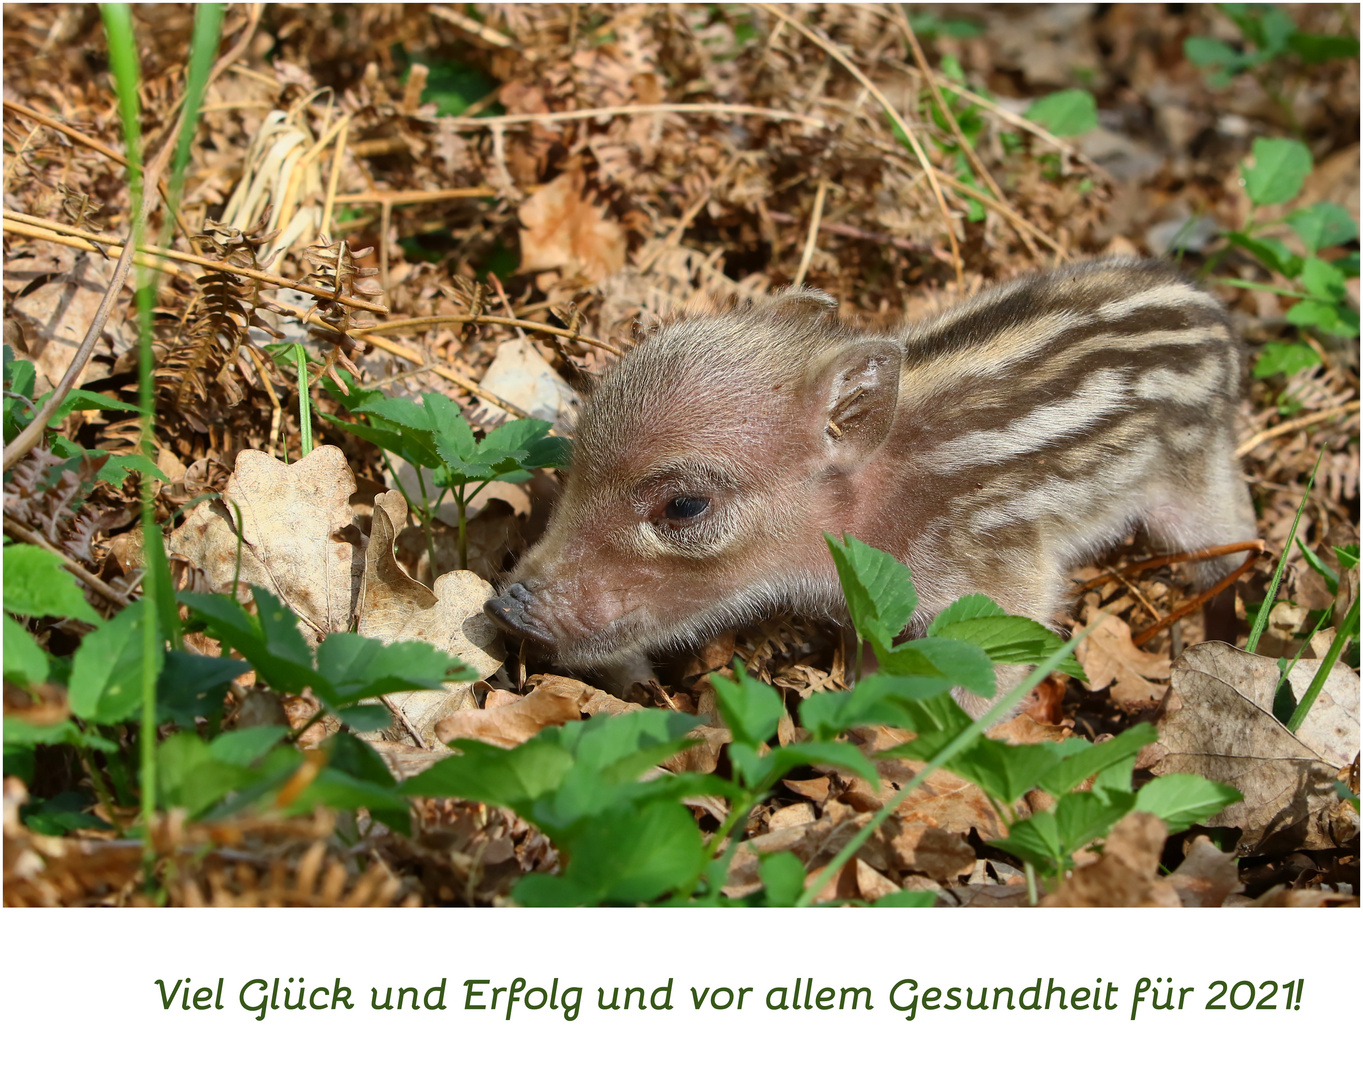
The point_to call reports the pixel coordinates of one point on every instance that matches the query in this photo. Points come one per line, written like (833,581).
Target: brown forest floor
(782,168)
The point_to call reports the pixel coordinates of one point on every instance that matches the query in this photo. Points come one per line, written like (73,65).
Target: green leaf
(759,772)
(116,469)
(783,878)
(876,699)
(878,587)
(191,686)
(936,721)
(1323,280)
(1008,639)
(1009,772)
(106,674)
(24,661)
(1331,318)
(357,758)
(514,778)
(83,400)
(974,606)
(36,584)
(1066,113)
(965,664)
(1323,225)
(1347,555)
(1095,758)
(909,898)
(356,667)
(1210,52)
(188,776)
(364,718)
(1035,840)
(18,733)
(60,814)
(749,708)
(1083,816)
(271,642)
(1273,253)
(632,859)
(1280,167)
(246,745)
(1284,358)
(1182,800)
(1318,48)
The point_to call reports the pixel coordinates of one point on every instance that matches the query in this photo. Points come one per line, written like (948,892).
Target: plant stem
(1030,871)
(1348,630)
(304,400)
(105,796)
(1261,622)
(461,505)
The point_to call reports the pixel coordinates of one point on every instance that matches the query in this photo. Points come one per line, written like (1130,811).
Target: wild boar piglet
(991,449)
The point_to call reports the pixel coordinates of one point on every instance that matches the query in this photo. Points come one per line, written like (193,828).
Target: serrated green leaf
(1010,639)
(878,587)
(907,898)
(356,667)
(964,663)
(1066,113)
(974,606)
(1093,759)
(1210,52)
(876,699)
(36,584)
(1331,318)
(1182,800)
(1009,772)
(1273,253)
(1319,48)
(514,778)
(1280,168)
(65,733)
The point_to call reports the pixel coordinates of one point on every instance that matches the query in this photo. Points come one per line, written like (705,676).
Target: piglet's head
(706,467)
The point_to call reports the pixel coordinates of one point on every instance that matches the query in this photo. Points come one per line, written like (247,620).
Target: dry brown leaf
(1110,659)
(57,313)
(872,885)
(1126,874)
(290,516)
(1207,875)
(1220,725)
(510,725)
(563,229)
(925,849)
(396,607)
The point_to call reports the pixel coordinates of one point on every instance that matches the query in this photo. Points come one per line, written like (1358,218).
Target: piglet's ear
(801,303)
(862,391)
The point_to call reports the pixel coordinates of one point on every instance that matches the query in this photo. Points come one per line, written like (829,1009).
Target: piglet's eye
(684,507)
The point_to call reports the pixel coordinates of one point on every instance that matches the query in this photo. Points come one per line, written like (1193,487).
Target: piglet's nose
(510,612)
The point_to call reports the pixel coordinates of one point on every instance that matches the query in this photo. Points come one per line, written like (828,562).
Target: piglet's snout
(511,613)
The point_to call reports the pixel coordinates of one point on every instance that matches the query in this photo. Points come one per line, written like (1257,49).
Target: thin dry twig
(808,255)
(490,320)
(1295,424)
(932,174)
(27,536)
(1196,602)
(701,108)
(113,243)
(965,144)
(1257,546)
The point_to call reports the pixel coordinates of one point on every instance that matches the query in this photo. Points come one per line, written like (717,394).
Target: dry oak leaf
(1109,658)
(290,516)
(565,230)
(394,606)
(1126,874)
(1220,724)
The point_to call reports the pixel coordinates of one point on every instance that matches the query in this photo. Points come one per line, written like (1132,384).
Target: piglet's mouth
(511,614)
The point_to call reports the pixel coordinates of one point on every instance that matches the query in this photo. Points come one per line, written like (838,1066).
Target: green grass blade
(202,50)
(1348,630)
(1260,623)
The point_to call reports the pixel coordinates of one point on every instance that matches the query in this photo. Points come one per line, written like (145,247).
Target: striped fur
(990,448)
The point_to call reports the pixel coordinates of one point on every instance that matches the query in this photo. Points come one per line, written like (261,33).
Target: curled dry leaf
(1126,874)
(1110,659)
(290,516)
(396,607)
(1207,876)
(1220,725)
(510,725)
(563,229)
